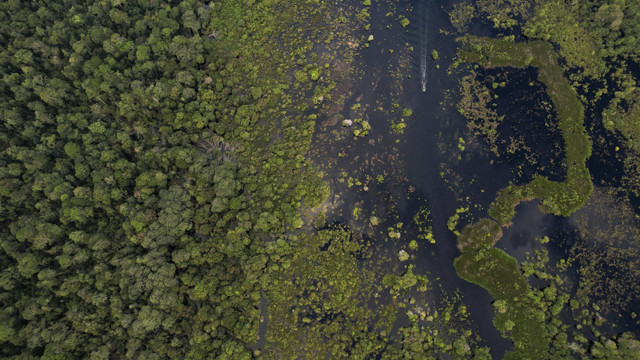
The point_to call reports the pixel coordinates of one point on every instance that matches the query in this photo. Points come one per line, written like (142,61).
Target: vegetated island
(490,267)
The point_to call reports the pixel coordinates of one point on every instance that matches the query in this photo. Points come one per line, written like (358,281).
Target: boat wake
(423,47)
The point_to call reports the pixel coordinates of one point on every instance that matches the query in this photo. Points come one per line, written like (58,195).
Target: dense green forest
(158,200)
(150,159)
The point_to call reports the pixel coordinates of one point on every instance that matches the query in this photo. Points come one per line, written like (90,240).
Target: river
(423,165)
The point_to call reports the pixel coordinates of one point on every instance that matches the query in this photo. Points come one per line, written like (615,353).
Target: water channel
(417,158)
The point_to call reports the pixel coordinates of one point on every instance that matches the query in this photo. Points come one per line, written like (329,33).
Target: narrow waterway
(433,124)
(419,150)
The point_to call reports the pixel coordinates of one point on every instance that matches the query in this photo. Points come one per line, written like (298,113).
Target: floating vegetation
(452,223)
(608,252)
(423,223)
(556,198)
(476,105)
(492,268)
(461,15)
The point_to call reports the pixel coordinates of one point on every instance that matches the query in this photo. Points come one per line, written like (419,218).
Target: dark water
(530,223)
(429,126)
(529,119)
(421,155)
(412,167)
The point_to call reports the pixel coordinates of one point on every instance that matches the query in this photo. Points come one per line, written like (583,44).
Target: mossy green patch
(498,272)
(503,208)
(482,234)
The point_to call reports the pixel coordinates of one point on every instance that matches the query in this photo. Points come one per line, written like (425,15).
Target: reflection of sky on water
(528,225)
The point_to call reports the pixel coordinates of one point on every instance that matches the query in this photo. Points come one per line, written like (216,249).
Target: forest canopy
(145,167)
(159,199)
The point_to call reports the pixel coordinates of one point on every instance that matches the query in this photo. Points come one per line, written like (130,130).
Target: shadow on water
(530,223)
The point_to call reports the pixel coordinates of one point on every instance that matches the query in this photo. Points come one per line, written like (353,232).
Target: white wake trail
(423,47)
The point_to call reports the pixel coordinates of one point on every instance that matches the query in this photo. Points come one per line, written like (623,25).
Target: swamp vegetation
(491,268)
(236,179)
